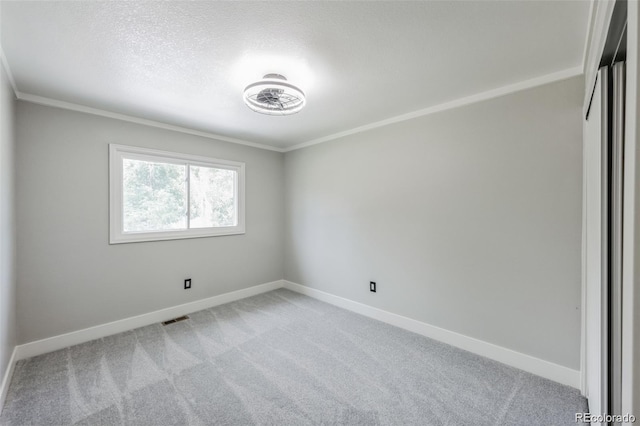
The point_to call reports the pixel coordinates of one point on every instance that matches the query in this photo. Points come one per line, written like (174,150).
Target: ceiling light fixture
(273,95)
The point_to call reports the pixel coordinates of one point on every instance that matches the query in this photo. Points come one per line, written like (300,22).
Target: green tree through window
(155,196)
(212,197)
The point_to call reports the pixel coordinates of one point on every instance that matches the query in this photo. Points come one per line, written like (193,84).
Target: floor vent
(171,321)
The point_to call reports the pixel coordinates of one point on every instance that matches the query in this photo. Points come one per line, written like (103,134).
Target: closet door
(616,191)
(596,247)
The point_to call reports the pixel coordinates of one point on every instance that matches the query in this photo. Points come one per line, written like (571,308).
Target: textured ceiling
(186,63)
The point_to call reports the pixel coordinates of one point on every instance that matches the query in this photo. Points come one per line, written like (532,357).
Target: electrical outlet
(372,286)
(187,284)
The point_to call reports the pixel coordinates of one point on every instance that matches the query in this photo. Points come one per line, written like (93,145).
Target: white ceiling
(186,63)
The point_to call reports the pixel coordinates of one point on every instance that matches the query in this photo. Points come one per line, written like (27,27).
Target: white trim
(468,100)
(117,153)
(631,222)
(61,341)
(12,81)
(515,359)
(6,380)
(546,369)
(583,270)
(40,100)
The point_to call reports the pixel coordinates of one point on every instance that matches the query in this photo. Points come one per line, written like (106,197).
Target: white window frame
(117,153)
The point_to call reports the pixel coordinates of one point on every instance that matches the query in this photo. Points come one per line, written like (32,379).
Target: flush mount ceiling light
(273,95)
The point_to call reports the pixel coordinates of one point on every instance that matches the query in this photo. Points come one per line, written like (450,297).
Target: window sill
(173,235)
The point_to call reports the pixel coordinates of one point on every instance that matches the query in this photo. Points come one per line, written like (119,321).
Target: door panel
(595,153)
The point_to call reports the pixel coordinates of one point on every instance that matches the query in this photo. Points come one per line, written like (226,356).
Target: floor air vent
(171,321)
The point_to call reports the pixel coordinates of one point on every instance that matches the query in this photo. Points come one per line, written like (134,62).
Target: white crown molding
(6,380)
(41,100)
(479,97)
(587,40)
(537,366)
(61,341)
(468,100)
(5,64)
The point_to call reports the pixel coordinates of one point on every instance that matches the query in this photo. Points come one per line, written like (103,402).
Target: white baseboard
(546,369)
(6,380)
(61,341)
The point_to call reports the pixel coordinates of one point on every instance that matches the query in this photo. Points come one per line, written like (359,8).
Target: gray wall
(7,228)
(468,219)
(70,278)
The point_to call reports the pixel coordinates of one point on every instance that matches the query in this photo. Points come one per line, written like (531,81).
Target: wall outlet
(372,286)
(187,284)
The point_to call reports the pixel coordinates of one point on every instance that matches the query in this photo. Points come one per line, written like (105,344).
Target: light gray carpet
(279,358)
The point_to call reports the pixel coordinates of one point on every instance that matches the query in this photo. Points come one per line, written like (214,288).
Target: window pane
(212,197)
(154,196)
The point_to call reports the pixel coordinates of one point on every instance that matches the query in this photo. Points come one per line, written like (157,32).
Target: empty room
(310,212)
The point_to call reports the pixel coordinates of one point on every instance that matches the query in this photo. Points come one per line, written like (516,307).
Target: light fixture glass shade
(273,95)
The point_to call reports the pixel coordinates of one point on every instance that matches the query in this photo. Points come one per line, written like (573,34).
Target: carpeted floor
(279,358)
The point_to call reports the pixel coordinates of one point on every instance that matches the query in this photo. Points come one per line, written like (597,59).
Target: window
(157,195)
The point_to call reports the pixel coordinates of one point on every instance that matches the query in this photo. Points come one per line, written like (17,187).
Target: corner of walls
(68,275)
(468,219)
(6,379)
(8,329)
